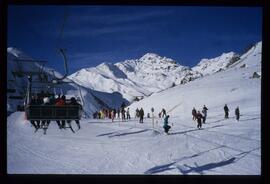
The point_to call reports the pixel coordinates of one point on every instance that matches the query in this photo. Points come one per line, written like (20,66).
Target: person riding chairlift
(61,102)
(74,102)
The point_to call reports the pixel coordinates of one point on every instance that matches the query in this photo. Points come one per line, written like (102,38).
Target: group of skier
(201,118)
(112,114)
(237,112)
(139,114)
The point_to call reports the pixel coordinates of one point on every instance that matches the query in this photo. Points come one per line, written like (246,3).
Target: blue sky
(96,34)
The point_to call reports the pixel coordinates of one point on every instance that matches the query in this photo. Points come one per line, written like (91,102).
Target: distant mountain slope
(234,86)
(132,78)
(210,66)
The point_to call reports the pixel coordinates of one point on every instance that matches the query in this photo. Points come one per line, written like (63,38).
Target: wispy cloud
(96,24)
(88,31)
(116,18)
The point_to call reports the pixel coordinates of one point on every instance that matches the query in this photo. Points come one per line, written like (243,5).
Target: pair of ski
(46,127)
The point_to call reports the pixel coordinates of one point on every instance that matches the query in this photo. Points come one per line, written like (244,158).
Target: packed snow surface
(221,147)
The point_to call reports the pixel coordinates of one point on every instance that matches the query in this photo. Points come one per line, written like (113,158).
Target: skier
(102,116)
(74,102)
(166,126)
(61,102)
(137,113)
(204,113)
(112,115)
(226,110)
(52,99)
(199,121)
(237,113)
(194,112)
(141,114)
(34,102)
(45,123)
(128,115)
(95,115)
(123,114)
(163,112)
(148,115)
(159,115)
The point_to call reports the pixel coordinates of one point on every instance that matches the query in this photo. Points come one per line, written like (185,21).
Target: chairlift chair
(50,112)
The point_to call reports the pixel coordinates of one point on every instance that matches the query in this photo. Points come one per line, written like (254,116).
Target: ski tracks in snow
(67,166)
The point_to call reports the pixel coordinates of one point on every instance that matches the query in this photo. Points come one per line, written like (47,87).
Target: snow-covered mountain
(237,84)
(135,78)
(210,66)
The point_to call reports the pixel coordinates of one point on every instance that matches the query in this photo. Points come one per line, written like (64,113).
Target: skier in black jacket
(226,110)
(194,112)
(199,119)
(237,113)
(141,114)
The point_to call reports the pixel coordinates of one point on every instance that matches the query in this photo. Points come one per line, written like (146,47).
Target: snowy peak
(136,77)
(155,58)
(223,57)
(210,66)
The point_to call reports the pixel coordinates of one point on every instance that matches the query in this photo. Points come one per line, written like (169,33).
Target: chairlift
(50,112)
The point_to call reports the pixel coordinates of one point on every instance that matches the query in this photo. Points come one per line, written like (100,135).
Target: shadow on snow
(128,133)
(196,129)
(162,168)
(110,133)
(159,169)
(200,169)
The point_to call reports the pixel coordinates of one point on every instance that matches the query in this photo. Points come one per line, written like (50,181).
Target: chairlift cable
(62,29)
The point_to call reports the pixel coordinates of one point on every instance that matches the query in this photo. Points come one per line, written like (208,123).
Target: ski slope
(102,147)
(221,147)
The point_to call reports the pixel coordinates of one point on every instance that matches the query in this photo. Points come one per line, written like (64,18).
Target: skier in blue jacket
(166,126)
